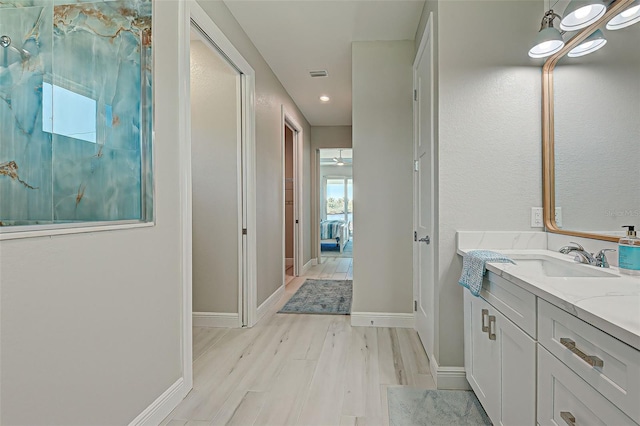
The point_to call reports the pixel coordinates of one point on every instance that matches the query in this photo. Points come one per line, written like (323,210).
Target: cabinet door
(566,399)
(500,364)
(517,373)
(481,356)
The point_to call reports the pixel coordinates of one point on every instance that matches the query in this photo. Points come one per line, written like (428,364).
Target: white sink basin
(555,268)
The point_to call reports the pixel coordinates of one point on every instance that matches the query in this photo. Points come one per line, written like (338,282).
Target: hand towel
(474,268)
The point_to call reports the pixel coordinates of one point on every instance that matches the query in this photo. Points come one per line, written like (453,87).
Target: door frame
(427,37)
(317,192)
(316,204)
(288,120)
(190,12)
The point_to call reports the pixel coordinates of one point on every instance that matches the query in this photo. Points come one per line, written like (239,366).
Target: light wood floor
(332,268)
(300,369)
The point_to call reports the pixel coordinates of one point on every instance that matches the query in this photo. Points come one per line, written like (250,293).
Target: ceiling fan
(339,160)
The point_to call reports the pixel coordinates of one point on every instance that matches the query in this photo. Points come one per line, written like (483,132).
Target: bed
(335,232)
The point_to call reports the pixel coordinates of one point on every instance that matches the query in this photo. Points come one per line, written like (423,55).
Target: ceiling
(296,37)
(330,153)
(327,156)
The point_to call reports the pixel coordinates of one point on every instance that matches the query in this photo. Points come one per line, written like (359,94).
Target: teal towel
(474,267)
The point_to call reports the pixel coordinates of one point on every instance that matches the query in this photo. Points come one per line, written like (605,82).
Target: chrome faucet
(601,258)
(569,249)
(583,256)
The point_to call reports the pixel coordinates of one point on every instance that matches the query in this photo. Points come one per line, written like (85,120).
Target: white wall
(91,322)
(330,137)
(489,137)
(214,155)
(270,96)
(382,140)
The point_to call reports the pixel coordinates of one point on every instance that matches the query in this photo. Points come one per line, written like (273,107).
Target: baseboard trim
(448,378)
(288,261)
(308,265)
(382,319)
(216,319)
(269,303)
(159,409)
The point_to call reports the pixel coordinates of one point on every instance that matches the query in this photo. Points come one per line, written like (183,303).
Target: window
(75,133)
(339,199)
(71,114)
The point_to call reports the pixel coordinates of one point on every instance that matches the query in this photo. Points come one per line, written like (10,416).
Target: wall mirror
(591,134)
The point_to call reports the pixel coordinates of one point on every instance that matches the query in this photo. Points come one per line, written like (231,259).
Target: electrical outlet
(536,217)
(559,217)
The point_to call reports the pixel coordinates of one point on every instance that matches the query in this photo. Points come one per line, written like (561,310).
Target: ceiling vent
(319,73)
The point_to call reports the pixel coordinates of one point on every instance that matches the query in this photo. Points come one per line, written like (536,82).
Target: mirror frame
(548,153)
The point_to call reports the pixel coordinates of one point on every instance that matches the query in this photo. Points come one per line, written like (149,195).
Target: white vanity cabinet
(530,362)
(584,373)
(565,399)
(500,358)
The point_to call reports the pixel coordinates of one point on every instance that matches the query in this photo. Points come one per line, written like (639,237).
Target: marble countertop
(611,304)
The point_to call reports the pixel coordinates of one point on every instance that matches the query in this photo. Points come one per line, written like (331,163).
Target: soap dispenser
(629,252)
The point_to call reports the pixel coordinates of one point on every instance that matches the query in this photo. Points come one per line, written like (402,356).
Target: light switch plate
(536,217)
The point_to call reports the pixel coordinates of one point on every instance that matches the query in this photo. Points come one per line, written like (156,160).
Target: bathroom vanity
(553,342)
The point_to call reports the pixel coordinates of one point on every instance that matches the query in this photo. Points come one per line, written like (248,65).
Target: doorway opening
(292,226)
(216,176)
(218,186)
(328,284)
(336,207)
(289,205)
(201,41)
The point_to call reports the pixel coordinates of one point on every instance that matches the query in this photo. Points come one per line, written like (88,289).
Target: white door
(424,276)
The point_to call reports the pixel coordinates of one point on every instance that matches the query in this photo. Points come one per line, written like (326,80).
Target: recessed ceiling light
(325,98)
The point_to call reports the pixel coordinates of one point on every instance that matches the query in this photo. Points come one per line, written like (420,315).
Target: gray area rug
(421,407)
(321,297)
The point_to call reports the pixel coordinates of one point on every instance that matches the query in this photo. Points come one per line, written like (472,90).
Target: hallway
(300,369)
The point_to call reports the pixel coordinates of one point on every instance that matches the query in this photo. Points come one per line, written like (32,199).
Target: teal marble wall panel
(100,54)
(25,150)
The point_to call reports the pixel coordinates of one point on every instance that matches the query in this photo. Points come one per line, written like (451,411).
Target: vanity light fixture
(592,43)
(627,17)
(325,98)
(549,39)
(582,13)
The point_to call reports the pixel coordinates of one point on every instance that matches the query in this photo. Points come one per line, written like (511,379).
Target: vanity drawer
(512,301)
(565,399)
(607,364)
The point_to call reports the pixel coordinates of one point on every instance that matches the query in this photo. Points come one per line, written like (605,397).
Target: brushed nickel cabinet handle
(492,333)
(568,417)
(592,360)
(485,313)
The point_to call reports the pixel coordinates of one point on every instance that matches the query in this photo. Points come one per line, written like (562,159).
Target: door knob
(425,240)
